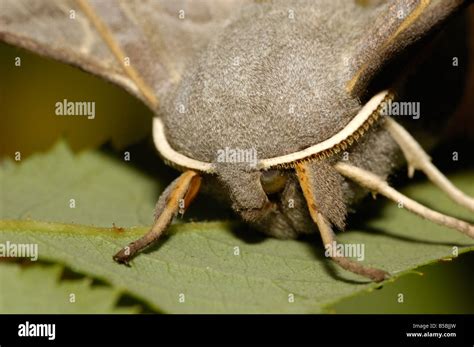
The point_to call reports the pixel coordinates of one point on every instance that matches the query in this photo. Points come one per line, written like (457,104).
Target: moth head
(259,190)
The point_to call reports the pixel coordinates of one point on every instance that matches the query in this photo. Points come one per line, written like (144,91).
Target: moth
(263,103)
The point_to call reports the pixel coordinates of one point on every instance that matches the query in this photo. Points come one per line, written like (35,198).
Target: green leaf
(103,190)
(37,289)
(199,259)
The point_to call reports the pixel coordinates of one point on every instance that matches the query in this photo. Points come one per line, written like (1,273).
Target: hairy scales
(267,82)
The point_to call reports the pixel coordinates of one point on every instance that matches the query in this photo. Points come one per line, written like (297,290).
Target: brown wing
(396,26)
(156,38)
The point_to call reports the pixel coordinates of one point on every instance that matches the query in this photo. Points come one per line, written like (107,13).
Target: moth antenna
(327,234)
(176,197)
(418,159)
(376,184)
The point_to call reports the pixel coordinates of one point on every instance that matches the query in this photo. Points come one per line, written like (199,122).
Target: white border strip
(347,131)
(168,153)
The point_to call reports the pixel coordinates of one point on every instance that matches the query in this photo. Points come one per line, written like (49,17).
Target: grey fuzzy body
(268,82)
(276,85)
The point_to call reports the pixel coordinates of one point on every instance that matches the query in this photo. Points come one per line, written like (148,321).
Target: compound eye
(273,181)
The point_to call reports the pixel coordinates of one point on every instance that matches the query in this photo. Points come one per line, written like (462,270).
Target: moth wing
(59,30)
(396,26)
(158,38)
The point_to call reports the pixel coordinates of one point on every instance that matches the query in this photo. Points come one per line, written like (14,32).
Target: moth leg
(374,183)
(327,234)
(417,158)
(177,196)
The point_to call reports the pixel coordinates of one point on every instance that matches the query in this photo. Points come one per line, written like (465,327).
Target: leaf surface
(38,289)
(217,266)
